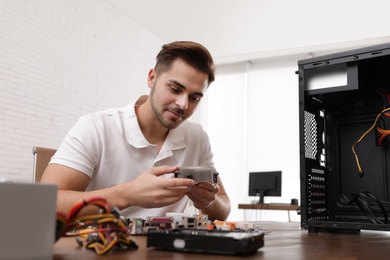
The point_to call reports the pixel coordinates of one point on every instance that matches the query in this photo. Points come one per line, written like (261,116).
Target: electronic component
(177,219)
(202,221)
(206,241)
(189,222)
(137,227)
(157,223)
(198,174)
(225,225)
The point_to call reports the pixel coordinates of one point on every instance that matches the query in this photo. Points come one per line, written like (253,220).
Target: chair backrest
(42,156)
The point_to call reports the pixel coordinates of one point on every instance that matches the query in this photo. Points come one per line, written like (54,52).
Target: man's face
(176,93)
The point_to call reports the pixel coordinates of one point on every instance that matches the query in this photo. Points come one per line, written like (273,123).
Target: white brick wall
(59,60)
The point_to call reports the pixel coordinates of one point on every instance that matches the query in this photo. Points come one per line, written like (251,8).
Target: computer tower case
(344,147)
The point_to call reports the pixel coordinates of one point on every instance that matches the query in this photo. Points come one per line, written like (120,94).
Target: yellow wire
(95,216)
(102,249)
(362,137)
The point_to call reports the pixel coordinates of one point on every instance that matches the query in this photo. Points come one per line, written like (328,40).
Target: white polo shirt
(110,148)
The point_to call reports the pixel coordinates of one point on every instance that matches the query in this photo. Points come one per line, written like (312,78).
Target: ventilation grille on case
(310,135)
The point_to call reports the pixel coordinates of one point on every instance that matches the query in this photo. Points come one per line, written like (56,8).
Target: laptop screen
(27,220)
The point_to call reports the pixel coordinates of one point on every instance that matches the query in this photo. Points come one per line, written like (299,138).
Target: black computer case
(342,111)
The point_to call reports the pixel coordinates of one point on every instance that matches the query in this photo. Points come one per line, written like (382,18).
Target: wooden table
(285,240)
(272,206)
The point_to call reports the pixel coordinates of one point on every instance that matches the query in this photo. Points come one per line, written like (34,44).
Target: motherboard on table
(198,234)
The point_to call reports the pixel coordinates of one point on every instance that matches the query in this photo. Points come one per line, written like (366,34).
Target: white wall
(223,116)
(251,115)
(60,60)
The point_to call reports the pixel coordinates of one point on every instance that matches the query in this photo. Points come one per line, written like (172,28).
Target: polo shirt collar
(175,138)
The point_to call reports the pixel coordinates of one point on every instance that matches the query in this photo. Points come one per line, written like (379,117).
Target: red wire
(97,201)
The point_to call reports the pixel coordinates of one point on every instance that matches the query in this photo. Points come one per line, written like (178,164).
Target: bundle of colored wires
(386,98)
(100,232)
(383,133)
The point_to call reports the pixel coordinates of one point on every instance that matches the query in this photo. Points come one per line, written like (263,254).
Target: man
(128,155)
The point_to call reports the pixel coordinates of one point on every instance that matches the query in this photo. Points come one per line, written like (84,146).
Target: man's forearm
(219,209)
(67,198)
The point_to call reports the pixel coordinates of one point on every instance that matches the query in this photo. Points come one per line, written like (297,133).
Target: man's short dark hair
(195,54)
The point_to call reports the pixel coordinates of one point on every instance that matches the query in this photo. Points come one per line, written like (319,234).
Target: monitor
(262,184)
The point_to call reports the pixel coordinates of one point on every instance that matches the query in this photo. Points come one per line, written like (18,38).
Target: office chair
(42,158)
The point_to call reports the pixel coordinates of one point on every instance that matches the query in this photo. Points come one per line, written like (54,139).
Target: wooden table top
(271,206)
(285,240)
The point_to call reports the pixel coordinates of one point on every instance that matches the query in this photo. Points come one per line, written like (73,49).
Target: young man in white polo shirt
(128,155)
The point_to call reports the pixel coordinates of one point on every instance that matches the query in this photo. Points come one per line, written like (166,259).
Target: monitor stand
(261,197)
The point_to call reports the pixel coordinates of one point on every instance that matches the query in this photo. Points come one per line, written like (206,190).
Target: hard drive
(206,241)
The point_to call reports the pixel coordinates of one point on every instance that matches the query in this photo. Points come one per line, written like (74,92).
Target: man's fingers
(208,186)
(161,170)
(177,182)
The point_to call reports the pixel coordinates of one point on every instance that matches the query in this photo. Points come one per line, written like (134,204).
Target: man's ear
(151,78)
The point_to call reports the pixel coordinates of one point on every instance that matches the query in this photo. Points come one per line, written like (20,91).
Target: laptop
(27,220)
